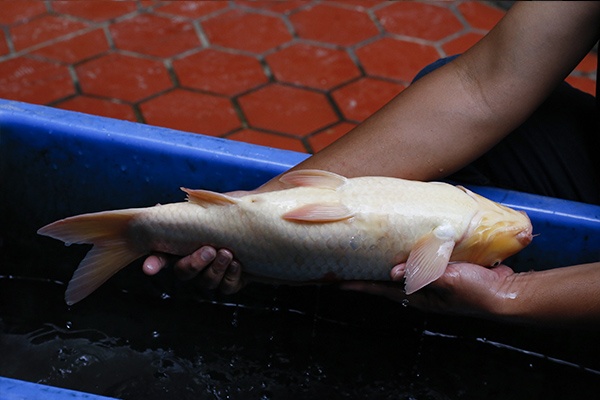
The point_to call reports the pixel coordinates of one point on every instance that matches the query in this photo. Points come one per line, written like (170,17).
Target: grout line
(168,64)
(202,36)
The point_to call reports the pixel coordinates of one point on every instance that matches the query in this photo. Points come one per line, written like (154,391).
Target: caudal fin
(111,252)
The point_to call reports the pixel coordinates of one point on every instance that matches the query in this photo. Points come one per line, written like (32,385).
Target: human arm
(456,113)
(562,296)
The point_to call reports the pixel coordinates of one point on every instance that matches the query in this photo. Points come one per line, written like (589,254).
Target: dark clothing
(556,152)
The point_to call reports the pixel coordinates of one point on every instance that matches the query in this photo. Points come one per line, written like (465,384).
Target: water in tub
(163,340)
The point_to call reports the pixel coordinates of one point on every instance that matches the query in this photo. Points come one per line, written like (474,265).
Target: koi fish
(322,226)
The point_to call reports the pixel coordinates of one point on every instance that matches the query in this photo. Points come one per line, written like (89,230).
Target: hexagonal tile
(480,15)
(327,136)
(94,106)
(268,139)
(96,11)
(419,20)
(396,59)
(588,64)
(77,48)
(219,72)
(123,77)
(314,66)
(34,81)
(3,44)
(14,11)
(248,31)
(154,35)
(191,112)
(192,9)
(275,6)
(42,29)
(333,24)
(286,109)
(360,99)
(364,4)
(582,83)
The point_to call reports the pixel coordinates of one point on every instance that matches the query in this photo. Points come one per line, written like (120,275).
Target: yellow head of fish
(496,233)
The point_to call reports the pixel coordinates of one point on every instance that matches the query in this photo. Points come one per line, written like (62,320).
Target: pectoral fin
(427,261)
(319,212)
(313,178)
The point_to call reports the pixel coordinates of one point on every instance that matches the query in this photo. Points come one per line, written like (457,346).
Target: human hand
(464,288)
(212,268)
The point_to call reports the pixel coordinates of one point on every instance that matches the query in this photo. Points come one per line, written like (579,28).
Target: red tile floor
(288,74)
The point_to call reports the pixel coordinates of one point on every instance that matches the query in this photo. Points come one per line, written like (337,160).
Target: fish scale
(323,227)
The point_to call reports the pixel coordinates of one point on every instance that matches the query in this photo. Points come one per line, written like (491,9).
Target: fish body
(323,227)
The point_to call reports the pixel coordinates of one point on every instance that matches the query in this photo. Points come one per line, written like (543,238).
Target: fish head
(495,233)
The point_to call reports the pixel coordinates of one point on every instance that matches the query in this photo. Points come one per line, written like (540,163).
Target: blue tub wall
(71,162)
(56,163)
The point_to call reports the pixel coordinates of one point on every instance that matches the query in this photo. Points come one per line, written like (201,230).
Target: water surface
(161,340)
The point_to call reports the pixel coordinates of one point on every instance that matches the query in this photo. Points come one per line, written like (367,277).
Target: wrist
(511,300)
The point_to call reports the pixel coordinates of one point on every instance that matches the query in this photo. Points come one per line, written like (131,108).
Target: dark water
(276,343)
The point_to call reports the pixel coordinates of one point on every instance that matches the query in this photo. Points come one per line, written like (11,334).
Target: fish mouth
(525,236)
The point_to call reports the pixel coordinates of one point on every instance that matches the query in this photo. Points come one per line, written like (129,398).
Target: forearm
(455,114)
(569,296)
(428,131)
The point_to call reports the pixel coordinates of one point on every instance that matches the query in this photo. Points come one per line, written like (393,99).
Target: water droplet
(165,296)
(155,334)
(404,303)
(355,242)
(69,325)
(234,319)
(84,360)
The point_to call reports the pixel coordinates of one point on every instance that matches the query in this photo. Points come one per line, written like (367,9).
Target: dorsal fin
(313,178)
(206,197)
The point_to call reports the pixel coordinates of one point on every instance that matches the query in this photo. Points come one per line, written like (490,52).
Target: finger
(232,280)
(190,266)
(390,290)
(359,286)
(213,275)
(502,270)
(154,263)
(397,273)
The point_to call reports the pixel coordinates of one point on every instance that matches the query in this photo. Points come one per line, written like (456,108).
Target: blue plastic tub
(56,163)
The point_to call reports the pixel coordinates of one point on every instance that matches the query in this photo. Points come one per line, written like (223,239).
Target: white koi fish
(323,227)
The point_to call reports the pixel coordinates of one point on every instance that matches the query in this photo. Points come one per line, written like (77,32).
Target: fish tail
(112,251)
